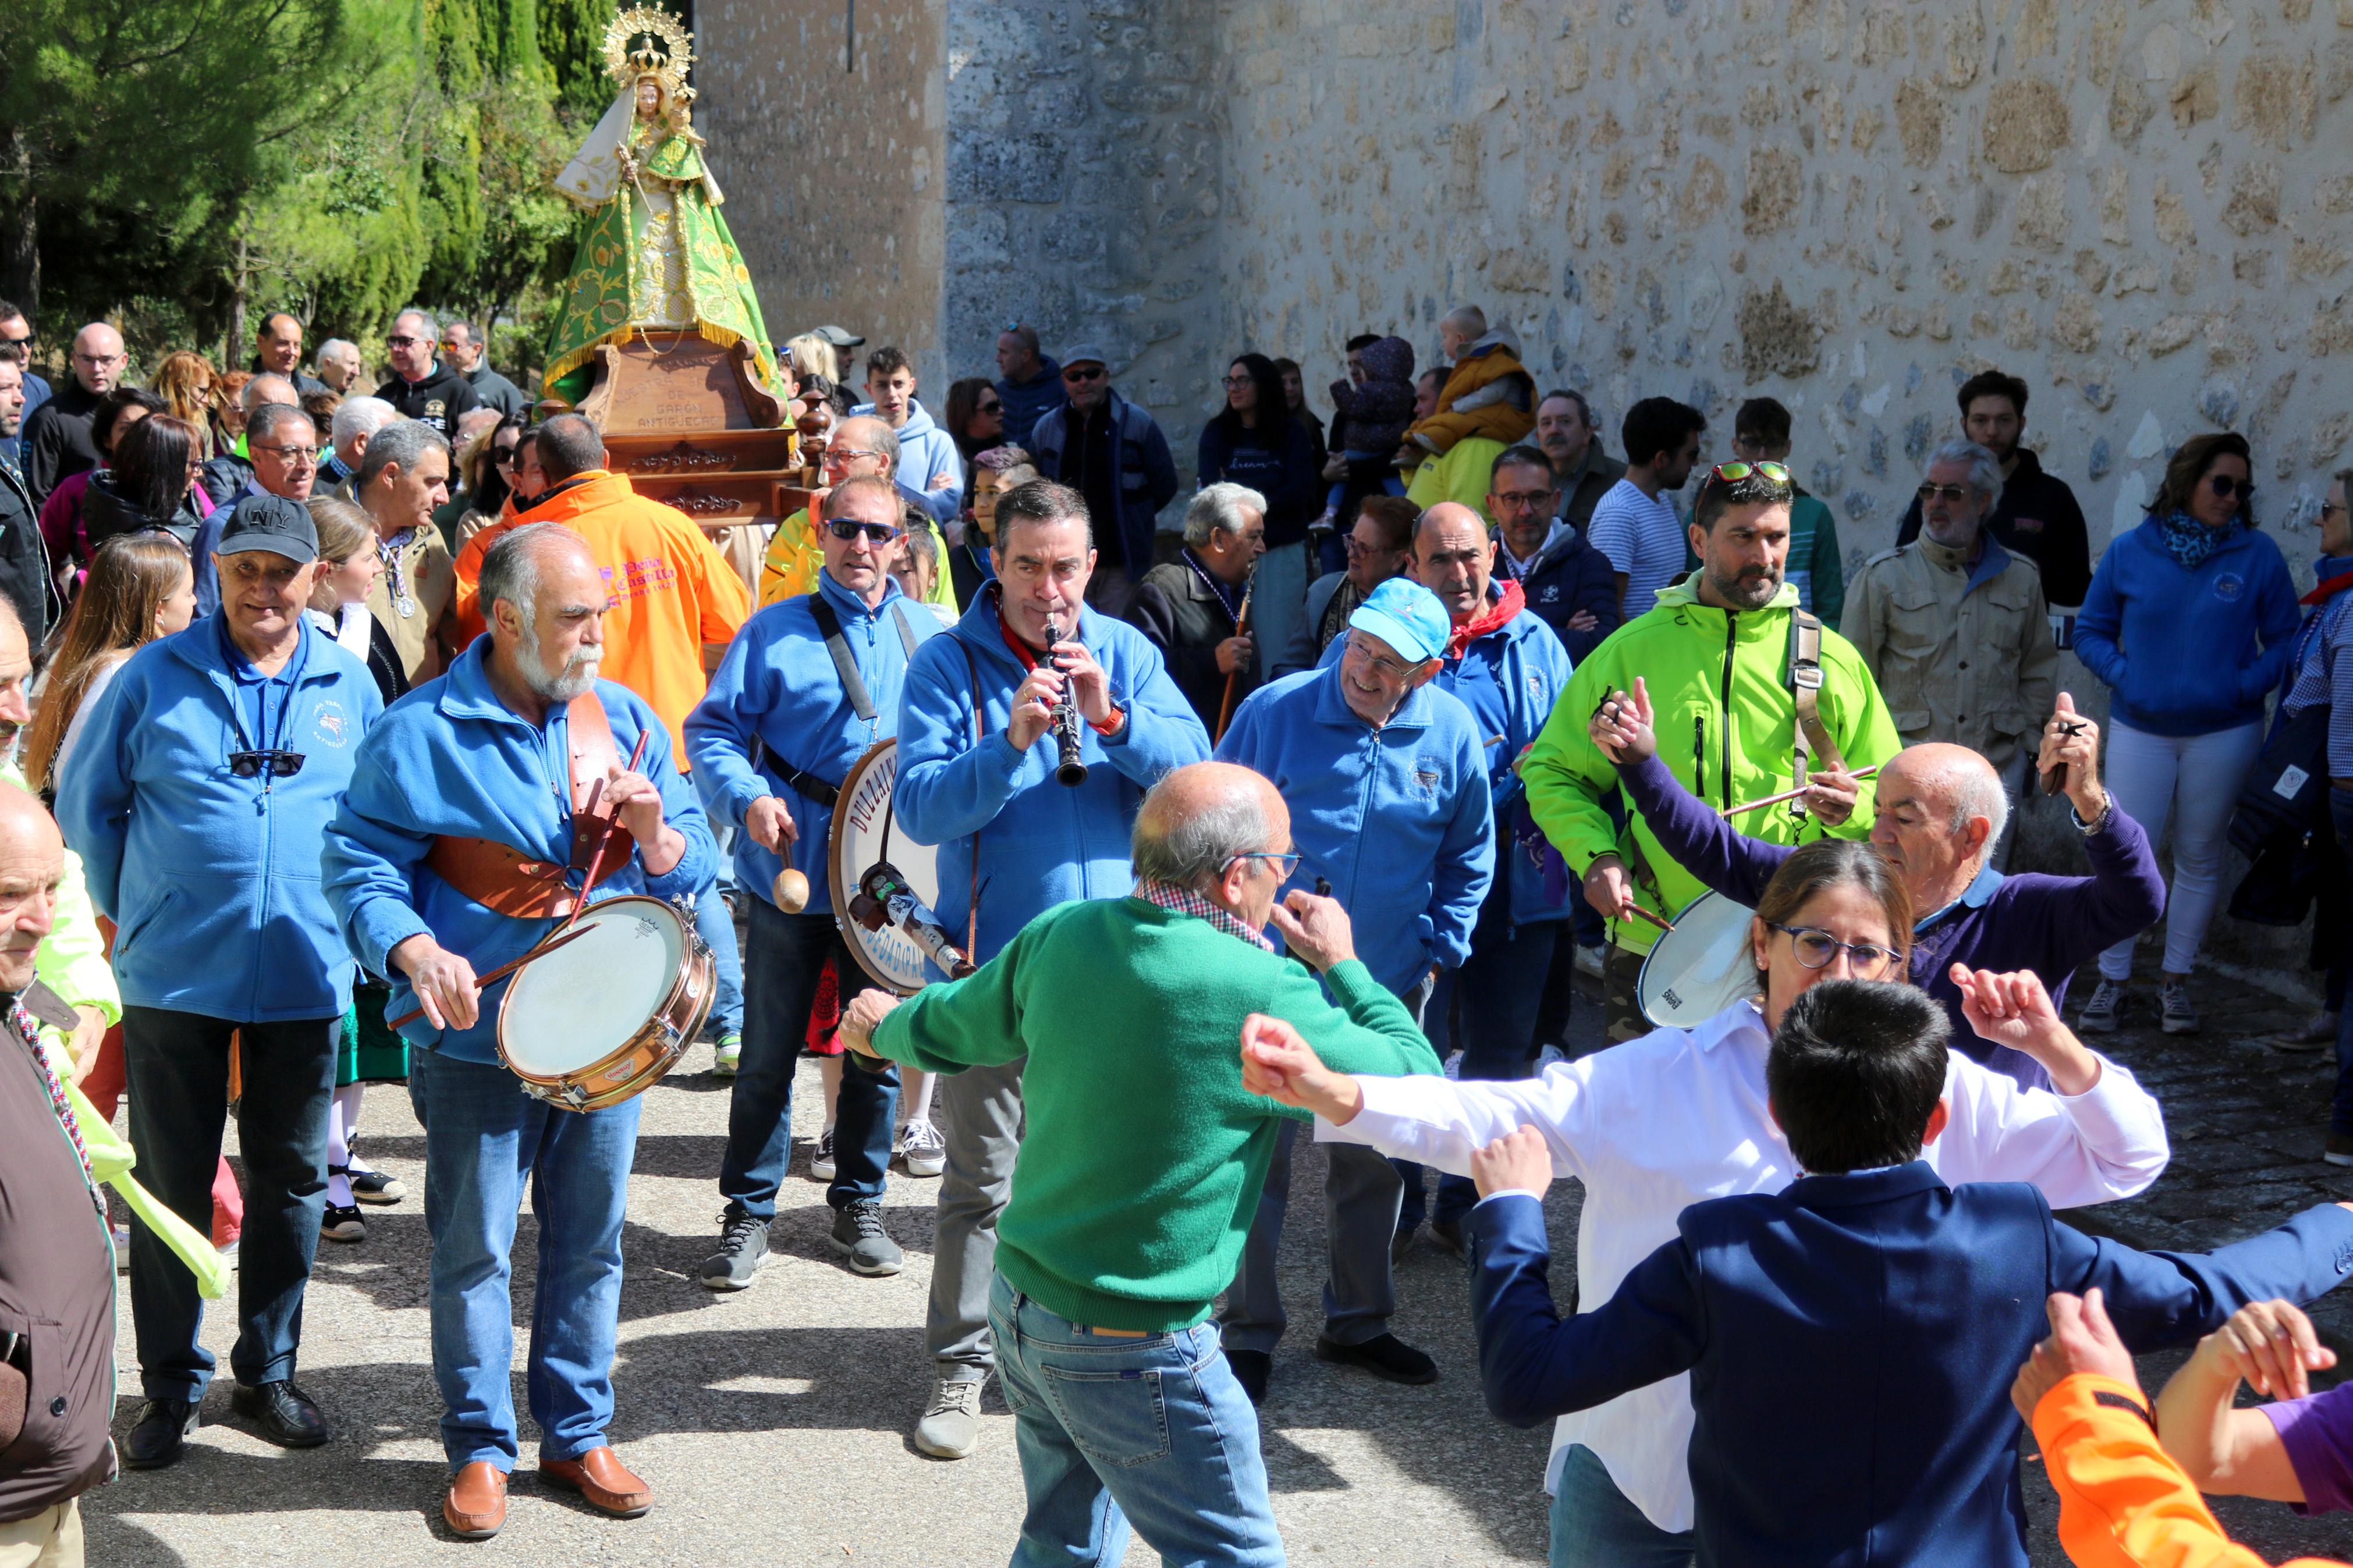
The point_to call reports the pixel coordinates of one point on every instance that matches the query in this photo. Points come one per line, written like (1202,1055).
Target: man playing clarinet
(998,719)
(480,808)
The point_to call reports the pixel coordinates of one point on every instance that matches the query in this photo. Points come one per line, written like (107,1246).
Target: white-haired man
(356,419)
(483,786)
(1191,608)
(339,366)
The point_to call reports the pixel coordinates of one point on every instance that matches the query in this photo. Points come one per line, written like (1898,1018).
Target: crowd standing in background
(1323,800)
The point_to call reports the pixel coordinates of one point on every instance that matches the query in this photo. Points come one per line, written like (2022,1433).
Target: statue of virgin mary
(655,252)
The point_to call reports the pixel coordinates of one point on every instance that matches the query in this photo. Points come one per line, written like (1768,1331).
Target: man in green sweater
(1138,1182)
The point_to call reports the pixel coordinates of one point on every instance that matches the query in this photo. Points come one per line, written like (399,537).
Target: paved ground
(772,1423)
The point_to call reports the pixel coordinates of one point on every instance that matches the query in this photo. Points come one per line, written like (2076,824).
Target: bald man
(1941,811)
(1141,1166)
(446,860)
(57,437)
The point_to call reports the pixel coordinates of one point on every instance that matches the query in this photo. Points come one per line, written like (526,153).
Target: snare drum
(603,1016)
(1703,967)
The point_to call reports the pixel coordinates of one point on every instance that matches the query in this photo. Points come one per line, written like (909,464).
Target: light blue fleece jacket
(2177,647)
(1396,819)
(925,450)
(777,689)
(452,758)
(1510,679)
(213,880)
(1041,843)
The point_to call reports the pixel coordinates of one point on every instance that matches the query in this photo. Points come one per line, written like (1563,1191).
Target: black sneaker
(742,1252)
(1251,1370)
(281,1412)
(160,1435)
(1386,1357)
(858,1232)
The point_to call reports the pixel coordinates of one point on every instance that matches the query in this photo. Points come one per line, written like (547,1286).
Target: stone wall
(2139,206)
(831,158)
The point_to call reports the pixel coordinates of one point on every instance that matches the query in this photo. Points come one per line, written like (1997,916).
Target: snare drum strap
(500,877)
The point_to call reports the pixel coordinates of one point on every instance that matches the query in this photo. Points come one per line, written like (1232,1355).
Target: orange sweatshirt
(671,590)
(2123,1502)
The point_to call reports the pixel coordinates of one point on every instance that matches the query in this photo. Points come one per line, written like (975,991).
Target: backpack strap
(906,632)
(1813,743)
(979,733)
(853,686)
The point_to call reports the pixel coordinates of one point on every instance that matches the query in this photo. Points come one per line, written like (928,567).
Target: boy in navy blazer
(1851,1340)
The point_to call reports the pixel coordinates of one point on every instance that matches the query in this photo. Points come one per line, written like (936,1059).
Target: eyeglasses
(1382,665)
(2224,487)
(95,361)
(296,456)
(1771,473)
(253,764)
(2328,507)
(1083,373)
(875,532)
(403,341)
(1281,864)
(1816,948)
(1955,493)
(1522,500)
(1236,382)
(838,457)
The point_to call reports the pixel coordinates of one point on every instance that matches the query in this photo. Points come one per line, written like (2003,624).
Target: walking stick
(1241,628)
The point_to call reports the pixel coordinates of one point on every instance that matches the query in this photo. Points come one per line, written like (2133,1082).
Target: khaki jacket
(419,582)
(1962,653)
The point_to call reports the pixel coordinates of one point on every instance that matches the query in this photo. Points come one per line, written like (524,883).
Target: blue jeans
(1488,1010)
(717,928)
(1594,1525)
(2340,1115)
(1152,1430)
(788,955)
(176,1067)
(484,1138)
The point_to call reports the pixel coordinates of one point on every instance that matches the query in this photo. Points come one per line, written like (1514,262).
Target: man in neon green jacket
(1715,654)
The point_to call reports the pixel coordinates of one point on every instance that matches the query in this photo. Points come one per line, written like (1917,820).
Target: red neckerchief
(1493,618)
(2328,590)
(1109,728)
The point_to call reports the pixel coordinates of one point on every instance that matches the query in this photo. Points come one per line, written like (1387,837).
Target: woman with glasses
(2190,620)
(976,420)
(485,463)
(1680,1115)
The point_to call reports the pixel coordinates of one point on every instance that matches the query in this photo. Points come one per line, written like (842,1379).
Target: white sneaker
(821,1162)
(950,1429)
(122,1250)
(921,1147)
(1590,963)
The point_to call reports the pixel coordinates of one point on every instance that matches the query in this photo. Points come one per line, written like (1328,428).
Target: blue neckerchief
(244,675)
(1976,896)
(2190,542)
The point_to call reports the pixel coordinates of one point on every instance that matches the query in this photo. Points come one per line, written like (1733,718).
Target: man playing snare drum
(464,839)
(808,686)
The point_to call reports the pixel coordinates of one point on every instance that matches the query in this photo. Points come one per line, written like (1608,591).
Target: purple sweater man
(1940,813)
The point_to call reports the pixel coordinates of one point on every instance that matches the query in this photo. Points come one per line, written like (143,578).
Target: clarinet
(1070,770)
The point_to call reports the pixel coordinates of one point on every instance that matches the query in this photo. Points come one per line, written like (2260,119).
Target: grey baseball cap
(273,524)
(1085,354)
(840,336)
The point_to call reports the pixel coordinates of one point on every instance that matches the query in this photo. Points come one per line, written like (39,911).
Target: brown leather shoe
(599,1477)
(477,1503)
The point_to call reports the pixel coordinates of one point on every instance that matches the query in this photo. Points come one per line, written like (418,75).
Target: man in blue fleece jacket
(931,470)
(771,743)
(976,777)
(1386,783)
(210,767)
(449,857)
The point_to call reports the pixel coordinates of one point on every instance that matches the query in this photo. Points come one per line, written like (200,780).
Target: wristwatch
(2107,814)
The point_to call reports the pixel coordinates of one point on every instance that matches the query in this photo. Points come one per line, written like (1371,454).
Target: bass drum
(861,836)
(1701,967)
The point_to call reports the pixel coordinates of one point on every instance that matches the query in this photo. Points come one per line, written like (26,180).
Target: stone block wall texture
(2142,206)
(831,158)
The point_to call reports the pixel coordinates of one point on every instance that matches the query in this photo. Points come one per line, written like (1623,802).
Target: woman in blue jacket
(1255,442)
(2190,621)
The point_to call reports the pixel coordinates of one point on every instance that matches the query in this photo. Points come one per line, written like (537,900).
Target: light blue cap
(1406,616)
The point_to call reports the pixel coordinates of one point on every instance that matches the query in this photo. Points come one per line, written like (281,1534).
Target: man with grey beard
(449,857)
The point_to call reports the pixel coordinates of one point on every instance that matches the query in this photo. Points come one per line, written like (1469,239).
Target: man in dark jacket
(1581,471)
(57,1259)
(278,350)
(1569,586)
(1111,452)
(1191,608)
(24,564)
(57,442)
(1032,386)
(422,387)
(2037,516)
(466,354)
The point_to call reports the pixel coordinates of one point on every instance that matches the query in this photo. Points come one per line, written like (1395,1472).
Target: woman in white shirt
(1680,1115)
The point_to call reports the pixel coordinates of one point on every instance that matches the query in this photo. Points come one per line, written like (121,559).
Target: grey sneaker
(2179,1017)
(742,1252)
(2100,1013)
(950,1429)
(821,1162)
(858,1233)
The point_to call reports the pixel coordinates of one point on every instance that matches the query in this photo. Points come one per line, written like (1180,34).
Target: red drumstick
(596,860)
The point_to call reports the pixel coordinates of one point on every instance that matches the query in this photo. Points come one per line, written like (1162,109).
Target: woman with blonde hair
(140,587)
(187,383)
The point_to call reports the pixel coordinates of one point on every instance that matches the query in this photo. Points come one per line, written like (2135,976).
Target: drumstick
(1659,921)
(1859,774)
(485,982)
(596,858)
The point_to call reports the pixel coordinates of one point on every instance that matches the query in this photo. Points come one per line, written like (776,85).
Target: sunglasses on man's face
(876,532)
(1952,494)
(1083,373)
(401,340)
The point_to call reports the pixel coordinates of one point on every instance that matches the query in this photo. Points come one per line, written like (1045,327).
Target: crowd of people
(337,705)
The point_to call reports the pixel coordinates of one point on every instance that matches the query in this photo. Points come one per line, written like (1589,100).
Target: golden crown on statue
(646,41)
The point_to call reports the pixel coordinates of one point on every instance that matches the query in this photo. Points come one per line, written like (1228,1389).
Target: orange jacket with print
(2123,1502)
